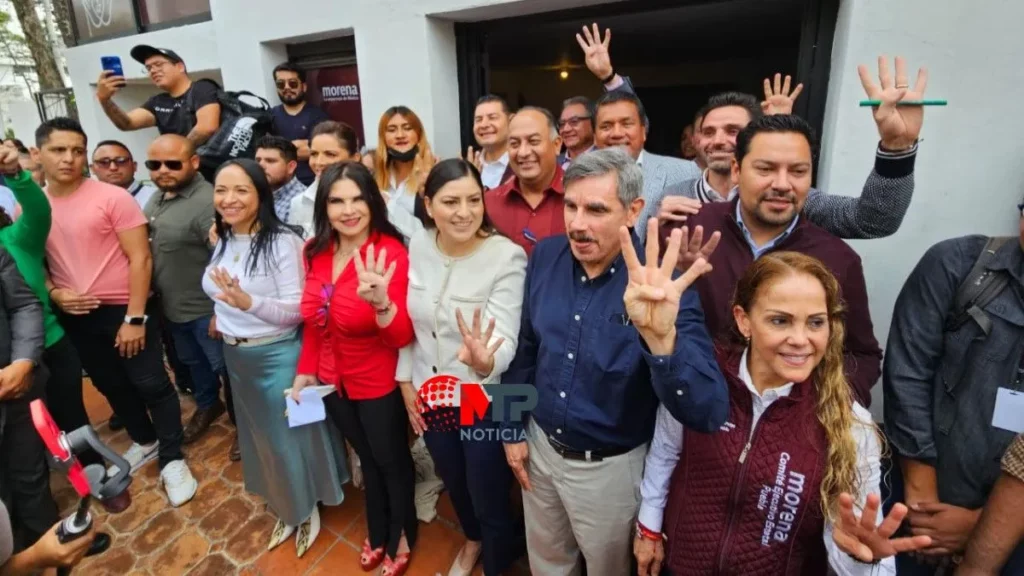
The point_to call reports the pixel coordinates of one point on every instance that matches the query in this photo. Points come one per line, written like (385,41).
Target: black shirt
(298,127)
(178,115)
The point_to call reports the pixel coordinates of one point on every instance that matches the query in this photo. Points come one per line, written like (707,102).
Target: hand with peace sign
(778,99)
(652,296)
(860,538)
(475,351)
(374,278)
(230,292)
(898,126)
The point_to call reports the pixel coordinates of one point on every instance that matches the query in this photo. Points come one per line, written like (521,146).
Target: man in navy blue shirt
(605,336)
(295,118)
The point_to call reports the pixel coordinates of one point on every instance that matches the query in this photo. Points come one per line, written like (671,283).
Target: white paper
(310,409)
(1009,412)
(321,390)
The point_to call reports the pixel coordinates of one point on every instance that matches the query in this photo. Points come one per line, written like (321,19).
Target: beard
(772,217)
(175,184)
(292,101)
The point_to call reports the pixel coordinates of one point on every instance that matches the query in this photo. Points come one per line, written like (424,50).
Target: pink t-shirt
(83,249)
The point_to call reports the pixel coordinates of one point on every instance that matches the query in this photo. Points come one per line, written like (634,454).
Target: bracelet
(648,534)
(384,310)
(859,561)
(50,291)
(609,78)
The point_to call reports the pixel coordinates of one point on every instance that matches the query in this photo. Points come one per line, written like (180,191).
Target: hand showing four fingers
(898,126)
(374,275)
(477,351)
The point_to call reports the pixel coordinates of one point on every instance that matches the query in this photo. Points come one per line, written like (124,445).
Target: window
(98,19)
(157,12)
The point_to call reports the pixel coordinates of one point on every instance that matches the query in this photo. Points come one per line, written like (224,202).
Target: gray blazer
(877,213)
(21,320)
(661,172)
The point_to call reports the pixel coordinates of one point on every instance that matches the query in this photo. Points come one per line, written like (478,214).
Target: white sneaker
(179,483)
(137,456)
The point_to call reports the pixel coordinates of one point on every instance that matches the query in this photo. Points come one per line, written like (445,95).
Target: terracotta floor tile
(180,555)
(145,505)
(282,560)
(357,531)
(113,562)
(233,473)
(251,541)
(208,496)
(338,519)
(160,530)
(214,565)
(226,518)
(340,559)
(436,548)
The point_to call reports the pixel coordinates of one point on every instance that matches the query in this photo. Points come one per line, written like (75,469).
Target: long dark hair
(440,175)
(324,234)
(267,225)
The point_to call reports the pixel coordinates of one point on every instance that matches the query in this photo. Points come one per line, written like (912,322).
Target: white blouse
(402,210)
(276,291)
(668,444)
(491,278)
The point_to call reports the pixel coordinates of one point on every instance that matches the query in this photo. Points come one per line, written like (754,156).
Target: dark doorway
(674,51)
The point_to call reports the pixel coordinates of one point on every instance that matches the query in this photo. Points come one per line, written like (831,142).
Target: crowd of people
(697,332)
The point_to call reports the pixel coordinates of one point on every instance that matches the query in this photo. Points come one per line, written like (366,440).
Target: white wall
(969,175)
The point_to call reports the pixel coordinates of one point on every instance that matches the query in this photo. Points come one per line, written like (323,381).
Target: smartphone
(113,64)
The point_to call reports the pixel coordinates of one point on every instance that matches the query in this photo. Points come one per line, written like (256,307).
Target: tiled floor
(223,531)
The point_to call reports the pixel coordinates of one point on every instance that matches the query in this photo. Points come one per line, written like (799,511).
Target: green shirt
(25,240)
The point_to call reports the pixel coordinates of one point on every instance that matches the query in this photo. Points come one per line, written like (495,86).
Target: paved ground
(224,531)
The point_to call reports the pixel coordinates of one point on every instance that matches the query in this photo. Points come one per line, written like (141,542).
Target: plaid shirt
(1013,460)
(283,197)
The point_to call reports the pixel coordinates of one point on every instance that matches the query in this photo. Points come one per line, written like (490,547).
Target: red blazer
(341,342)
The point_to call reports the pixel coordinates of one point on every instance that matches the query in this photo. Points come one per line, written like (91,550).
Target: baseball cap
(143,52)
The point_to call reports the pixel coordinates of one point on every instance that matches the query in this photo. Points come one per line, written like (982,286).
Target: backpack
(978,288)
(242,125)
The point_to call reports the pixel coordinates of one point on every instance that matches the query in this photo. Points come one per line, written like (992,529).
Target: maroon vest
(754,509)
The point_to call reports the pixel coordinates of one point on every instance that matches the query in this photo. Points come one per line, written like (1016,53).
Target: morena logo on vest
(507,403)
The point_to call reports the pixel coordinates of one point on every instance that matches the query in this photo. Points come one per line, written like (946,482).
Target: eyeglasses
(174,165)
(291,83)
(573,121)
(106,162)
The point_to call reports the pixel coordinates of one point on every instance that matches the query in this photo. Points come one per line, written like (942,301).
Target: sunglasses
(291,83)
(107,162)
(174,165)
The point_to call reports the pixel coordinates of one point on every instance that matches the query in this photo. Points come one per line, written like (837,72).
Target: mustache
(580,237)
(789,196)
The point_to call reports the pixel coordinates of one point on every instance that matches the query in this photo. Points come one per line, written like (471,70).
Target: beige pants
(575,506)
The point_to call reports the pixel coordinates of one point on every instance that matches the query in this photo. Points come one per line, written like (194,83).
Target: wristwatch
(135,320)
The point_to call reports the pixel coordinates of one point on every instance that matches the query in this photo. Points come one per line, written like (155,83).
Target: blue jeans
(204,357)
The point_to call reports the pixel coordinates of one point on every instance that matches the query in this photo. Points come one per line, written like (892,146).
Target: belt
(585,455)
(252,342)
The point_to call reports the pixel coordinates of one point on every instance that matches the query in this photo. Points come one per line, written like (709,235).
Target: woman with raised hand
(256,278)
(462,269)
(777,489)
(402,164)
(356,320)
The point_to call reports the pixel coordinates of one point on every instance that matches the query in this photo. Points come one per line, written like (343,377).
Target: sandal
(370,559)
(396,567)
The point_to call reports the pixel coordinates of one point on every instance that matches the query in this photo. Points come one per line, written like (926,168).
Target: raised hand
(652,296)
(861,538)
(374,277)
(898,126)
(231,292)
(476,158)
(108,85)
(475,351)
(778,99)
(9,159)
(595,50)
(693,248)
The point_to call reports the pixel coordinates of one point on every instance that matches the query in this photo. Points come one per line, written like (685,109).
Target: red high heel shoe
(370,559)
(396,567)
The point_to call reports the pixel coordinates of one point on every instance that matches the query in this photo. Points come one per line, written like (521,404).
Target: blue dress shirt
(598,386)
